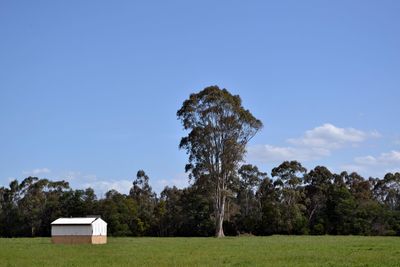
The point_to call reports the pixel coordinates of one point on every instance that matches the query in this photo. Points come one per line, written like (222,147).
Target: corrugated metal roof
(74,221)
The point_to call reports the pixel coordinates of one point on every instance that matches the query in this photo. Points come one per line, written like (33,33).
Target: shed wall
(65,230)
(99,227)
(71,239)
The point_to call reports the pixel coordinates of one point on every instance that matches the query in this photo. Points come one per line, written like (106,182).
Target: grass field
(240,251)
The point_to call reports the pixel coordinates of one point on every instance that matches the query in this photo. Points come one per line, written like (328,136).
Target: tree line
(227,197)
(293,201)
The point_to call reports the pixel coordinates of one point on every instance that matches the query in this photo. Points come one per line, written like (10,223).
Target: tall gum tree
(219,129)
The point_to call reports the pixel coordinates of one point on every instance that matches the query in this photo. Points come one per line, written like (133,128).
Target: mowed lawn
(235,251)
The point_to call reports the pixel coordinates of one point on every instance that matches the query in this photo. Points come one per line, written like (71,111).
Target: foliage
(225,192)
(219,129)
(293,202)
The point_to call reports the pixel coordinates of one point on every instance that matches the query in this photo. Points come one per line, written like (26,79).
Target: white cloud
(397,141)
(79,180)
(72,175)
(329,136)
(180,180)
(269,153)
(375,134)
(36,171)
(103,186)
(376,165)
(389,158)
(314,144)
(10,179)
(353,168)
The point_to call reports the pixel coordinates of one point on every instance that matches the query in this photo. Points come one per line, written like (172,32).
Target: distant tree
(27,208)
(196,212)
(172,219)
(72,203)
(293,202)
(268,197)
(146,200)
(89,199)
(219,129)
(10,220)
(318,181)
(32,203)
(52,209)
(120,212)
(250,179)
(290,179)
(387,191)
(340,209)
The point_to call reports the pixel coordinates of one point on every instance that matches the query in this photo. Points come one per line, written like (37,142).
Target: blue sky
(89,89)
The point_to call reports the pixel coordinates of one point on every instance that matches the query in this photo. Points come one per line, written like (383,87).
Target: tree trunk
(219,231)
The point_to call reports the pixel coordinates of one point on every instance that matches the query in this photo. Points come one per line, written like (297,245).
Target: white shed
(91,230)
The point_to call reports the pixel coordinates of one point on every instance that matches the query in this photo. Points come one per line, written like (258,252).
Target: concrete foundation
(78,239)
(99,239)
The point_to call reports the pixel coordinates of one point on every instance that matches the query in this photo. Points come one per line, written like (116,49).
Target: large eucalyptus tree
(218,130)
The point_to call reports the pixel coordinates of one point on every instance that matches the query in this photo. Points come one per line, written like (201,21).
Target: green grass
(240,251)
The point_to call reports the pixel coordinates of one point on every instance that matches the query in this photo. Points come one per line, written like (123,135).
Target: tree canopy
(226,196)
(219,129)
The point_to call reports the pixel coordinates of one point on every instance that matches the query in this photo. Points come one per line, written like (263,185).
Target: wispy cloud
(389,158)
(328,136)
(72,175)
(397,141)
(10,179)
(101,186)
(180,180)
(80,180)
(313,144)
(376,165)
(269,153)
(37,172)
